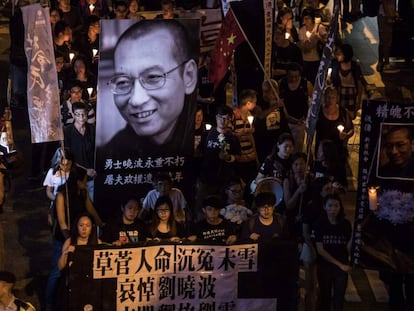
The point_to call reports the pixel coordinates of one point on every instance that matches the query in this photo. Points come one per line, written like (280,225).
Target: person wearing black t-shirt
(278,163)
(214,228)
(129,229)
(333,242)
(267,224)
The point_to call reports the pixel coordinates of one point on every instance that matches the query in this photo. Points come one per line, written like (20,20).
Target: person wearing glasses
(80,139)
(266,224)
(154,90)
(398,144)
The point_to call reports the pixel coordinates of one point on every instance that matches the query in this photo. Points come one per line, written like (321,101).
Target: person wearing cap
(8,301)
(214,228)
(267,224)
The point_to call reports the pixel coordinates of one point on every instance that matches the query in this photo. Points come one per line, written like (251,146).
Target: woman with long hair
(333,243)
(164,227)
(278,163)
(334,124)
(296,193)
(310,36)
(83,233)
(72,200)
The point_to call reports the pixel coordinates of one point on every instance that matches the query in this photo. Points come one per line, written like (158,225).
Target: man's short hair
(246,96)
(162,176)
(264,198)
(60,27)
(7,277)
(167,2)
(395,128)
(294,67)
(79,106)
(182,44)
(224,111)
(75,83)
(92,19)
(214,201)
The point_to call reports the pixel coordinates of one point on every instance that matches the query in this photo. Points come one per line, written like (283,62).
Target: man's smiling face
(152,113)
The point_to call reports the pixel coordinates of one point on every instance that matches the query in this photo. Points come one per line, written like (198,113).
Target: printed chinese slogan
(184,277)
(42,86)
(384,220)
(146,106)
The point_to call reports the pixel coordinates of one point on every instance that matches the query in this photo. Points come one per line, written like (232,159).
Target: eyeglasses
(80,115)
(149,80)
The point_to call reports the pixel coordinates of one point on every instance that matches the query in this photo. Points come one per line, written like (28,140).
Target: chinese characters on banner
(203,277)
(384,217)
(42,85)
(146,107)
(185,277)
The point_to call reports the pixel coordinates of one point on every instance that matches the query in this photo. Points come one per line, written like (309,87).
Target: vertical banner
(42,84)
(320,81)
(146,105)
(384,219)
(268,8)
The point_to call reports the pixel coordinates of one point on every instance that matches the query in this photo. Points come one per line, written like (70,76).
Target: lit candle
(373,198)
(308,34)
(340,128)
(90,90)
(329,72)
(287,35)
(71,56)
(250,119)
(91,7)
(208,126)
(94,52)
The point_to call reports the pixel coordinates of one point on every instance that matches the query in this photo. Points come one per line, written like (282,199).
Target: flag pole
(267,78)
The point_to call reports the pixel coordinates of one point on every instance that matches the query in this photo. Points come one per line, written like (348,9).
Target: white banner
(42,84)
(203,277)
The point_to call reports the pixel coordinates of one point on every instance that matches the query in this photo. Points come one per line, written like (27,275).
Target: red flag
(229,38)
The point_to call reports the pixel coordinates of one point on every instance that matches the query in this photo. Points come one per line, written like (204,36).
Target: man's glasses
(150,80)
(80,115)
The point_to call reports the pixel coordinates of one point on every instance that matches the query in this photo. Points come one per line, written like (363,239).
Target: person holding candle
(334,124)
(347,77)
(247,163)
(87,43)
(86,78)
(75,96)
(310,35)
(61,42)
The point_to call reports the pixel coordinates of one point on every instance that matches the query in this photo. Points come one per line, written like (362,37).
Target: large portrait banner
(146,105)
(384,219)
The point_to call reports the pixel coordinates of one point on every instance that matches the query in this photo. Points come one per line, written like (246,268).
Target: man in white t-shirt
(163,186)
